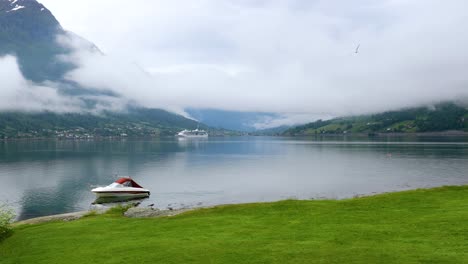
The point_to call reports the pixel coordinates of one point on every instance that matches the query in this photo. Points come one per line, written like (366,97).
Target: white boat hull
(130,192)
(193,136)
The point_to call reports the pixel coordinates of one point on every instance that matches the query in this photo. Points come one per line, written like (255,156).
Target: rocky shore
(140,212)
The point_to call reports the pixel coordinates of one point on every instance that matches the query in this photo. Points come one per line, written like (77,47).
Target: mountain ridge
(29,34)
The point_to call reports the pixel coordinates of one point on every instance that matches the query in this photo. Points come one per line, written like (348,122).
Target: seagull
(357,48)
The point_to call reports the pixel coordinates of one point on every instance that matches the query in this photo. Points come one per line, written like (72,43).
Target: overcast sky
(296,58)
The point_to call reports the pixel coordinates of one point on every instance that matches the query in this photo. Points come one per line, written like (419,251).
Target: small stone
(142,212)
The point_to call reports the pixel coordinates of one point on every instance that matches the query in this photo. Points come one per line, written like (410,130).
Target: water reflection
(49,177)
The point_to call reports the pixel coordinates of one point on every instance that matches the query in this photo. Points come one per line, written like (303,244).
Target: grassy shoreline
(419,226)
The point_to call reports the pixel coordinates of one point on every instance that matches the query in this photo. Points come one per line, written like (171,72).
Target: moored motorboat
(123,187)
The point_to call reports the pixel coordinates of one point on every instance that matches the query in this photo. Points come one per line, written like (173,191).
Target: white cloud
(286,120)
(295,58)
(19,94)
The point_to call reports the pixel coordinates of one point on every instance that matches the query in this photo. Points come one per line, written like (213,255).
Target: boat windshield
(116,185)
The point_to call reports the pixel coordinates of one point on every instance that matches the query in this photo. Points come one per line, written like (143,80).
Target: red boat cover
(132,182)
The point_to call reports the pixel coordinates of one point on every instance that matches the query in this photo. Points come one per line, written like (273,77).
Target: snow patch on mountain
(8,6)
(17,7)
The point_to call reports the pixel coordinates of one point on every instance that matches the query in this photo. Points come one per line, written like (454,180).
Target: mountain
(233,120)
(442,117)
(29,31)
(137,122)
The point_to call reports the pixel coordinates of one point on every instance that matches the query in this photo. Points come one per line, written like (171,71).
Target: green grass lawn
(422,226)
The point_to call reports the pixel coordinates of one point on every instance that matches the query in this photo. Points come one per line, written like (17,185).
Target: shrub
(6,217)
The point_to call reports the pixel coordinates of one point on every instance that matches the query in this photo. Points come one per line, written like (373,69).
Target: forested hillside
(442,117)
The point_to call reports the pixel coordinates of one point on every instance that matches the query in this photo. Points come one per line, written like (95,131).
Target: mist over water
(50,177)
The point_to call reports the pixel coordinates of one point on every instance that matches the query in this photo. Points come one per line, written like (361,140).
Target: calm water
(49,177)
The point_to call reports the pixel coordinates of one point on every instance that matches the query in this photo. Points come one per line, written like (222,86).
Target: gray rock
(142,212)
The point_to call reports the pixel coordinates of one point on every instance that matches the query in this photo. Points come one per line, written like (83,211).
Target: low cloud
(286,120)
(293,58)
(18,94)
(129,83)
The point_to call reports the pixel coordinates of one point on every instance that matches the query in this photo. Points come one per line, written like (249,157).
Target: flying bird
(357,48)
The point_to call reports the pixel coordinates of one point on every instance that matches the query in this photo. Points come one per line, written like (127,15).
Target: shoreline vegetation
(441,117)
(135,123)
(417,226)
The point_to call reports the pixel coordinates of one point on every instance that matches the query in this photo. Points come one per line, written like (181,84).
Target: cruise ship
(197,133)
